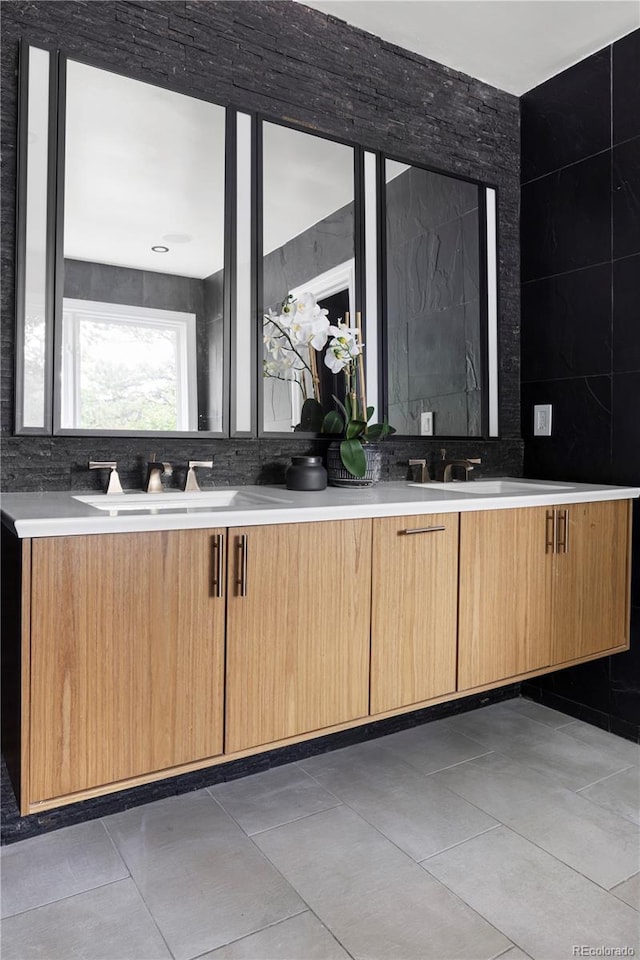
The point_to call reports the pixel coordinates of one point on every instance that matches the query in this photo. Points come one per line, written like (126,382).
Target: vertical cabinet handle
(562,539)
(218,565)
(551,531)
(241,581)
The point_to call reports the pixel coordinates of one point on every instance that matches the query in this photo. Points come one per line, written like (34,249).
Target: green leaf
(341,407)
(311,416)
(378,431)
(369,413)
(355,428)
(353,458)
(332,423)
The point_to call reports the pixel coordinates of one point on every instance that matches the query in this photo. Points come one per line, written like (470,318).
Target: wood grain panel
(505,595)
(127,648)
(590,580)
(298,643)
(414,610)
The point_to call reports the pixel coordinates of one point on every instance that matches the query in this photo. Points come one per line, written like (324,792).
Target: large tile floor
(510,831)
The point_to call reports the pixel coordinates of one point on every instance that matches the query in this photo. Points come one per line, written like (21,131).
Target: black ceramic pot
(306,473)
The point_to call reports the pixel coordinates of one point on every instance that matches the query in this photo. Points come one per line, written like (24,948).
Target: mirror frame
(229,201)
(358,253)
(489,285)
(47,280)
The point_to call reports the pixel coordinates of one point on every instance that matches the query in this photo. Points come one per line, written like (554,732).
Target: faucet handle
(113,484)
(191,483)
(424,470)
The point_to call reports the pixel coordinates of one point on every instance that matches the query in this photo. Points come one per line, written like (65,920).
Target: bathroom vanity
(147,636)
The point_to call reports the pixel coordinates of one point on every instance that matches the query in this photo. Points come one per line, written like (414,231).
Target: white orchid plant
(292,340)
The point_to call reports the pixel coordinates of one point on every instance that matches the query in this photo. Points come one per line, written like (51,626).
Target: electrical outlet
(426,424)
(542,420)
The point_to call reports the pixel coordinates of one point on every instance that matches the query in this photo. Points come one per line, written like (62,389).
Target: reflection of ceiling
(141,163)
(145,167)
(511,44)
(306,178)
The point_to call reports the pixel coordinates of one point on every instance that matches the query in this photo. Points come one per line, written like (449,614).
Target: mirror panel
(492,308)
(308,246)
(434,302)
(33,403)
(142,325)
(243,345)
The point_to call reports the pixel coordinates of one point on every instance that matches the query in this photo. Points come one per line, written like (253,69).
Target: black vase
(306,473)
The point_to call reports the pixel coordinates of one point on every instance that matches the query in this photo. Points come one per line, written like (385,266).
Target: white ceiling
(511,44)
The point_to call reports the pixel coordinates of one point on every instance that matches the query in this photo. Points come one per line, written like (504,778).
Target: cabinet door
(505,594)
(590,579)
(298,641)
(127,646)
(415,609)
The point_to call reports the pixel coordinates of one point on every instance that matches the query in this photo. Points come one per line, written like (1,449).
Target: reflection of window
(127,367)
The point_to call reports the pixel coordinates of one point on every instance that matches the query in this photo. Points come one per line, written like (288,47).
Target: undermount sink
(490,487)
(175,500)
(487,487)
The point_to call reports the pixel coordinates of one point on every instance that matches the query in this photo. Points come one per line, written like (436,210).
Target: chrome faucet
(191,483)
(155,469)
(445,468)
(113,485)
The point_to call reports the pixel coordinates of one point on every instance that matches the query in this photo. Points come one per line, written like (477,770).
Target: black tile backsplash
(626,198)
(596,419)
(626,314)
(578,448)
(570,117)
(626,87)
(625,676)
(566,325)
(626,428)
(566,219)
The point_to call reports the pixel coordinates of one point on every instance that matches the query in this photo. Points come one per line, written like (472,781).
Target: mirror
(435,309)
(156,334)
(142,312)
(33,282)
(308,246)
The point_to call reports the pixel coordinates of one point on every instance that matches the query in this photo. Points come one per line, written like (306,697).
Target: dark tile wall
(286,61)
(580,237)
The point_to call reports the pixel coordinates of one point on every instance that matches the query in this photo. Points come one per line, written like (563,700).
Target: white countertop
(60,514)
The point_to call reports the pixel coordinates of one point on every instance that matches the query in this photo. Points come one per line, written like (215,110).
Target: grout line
(452,846)
(458,763)
(139,892)
(245,936)
(285,823)
(567,166)
(68,896)
(630,766)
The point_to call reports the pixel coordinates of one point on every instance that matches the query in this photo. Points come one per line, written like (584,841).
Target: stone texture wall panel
(292,63)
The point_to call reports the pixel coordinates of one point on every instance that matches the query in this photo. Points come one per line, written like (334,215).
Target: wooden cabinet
(127,648)
(540,587)
(414,609)
(297,629)
(590,602)
(131,657)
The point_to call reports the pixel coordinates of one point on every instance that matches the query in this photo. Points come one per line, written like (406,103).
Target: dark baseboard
(606,721)
(15,827)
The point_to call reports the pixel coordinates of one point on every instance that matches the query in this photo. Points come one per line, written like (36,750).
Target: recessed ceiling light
(160,249)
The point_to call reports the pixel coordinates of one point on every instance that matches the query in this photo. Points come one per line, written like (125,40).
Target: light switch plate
(426,424)
(542,419)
